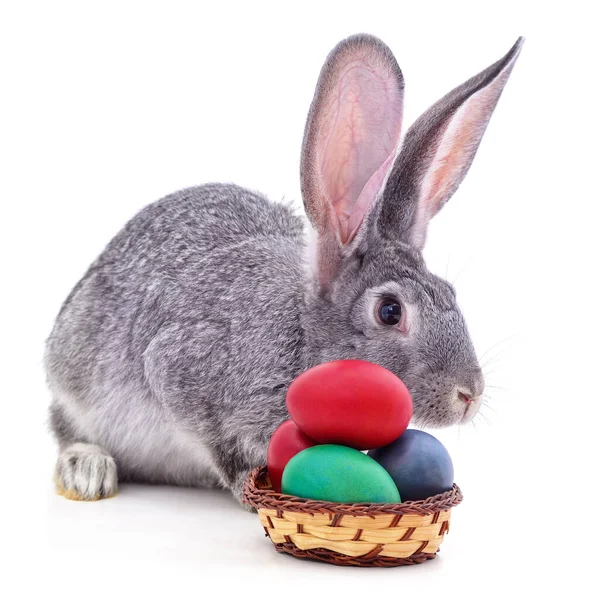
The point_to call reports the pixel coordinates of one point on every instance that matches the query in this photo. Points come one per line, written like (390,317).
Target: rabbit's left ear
(437,151)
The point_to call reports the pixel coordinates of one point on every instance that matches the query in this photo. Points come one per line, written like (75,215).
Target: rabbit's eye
(389,311)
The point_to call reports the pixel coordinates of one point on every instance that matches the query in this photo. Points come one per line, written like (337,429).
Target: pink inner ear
(454,151)
(359,130)
(452,155)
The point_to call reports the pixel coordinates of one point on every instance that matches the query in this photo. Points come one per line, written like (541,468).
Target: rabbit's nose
(463,397)
(473,391)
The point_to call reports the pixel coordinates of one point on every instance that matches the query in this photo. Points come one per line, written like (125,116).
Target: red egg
(287,440)
(350,402)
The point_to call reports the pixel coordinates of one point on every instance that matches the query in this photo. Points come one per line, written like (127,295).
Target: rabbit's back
(202,218)
(173,253)
(210,274)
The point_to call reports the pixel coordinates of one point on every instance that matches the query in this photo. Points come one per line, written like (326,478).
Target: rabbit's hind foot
(86,472)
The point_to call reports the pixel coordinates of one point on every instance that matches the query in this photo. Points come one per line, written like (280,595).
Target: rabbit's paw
(86,472)
(237,489)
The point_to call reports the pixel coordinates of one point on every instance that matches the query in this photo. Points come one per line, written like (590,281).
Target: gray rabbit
(170,359)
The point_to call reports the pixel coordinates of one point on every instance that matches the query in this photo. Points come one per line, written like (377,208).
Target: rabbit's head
(370,197)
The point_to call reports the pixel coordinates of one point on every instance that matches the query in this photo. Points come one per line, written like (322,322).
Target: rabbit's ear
(437,151)
(351,136)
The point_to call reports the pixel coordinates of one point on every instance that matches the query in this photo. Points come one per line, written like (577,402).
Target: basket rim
(258,493)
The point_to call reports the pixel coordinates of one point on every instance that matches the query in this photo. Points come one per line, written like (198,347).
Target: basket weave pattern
(361,534)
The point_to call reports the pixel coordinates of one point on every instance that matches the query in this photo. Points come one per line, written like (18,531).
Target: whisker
(461,271)
(492,360)
(502,341)
(485,418)
(493,371)
(447,265)
(489,373)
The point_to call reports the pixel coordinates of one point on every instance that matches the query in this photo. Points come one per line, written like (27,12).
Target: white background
(107,107)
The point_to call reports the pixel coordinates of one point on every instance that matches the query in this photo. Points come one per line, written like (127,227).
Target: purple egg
(418,463)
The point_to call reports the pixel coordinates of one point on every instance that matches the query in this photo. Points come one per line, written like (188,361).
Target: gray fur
(174,352)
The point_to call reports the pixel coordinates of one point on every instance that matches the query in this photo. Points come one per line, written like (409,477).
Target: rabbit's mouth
(471,407)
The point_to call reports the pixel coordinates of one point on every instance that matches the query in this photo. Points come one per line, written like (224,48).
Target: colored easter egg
(418,463)
(338,474)
(287,440)
(350,402)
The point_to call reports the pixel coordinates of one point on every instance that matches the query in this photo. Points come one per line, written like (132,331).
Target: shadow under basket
(363,534)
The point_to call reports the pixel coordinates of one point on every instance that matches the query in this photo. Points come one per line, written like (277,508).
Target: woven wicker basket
(365,535)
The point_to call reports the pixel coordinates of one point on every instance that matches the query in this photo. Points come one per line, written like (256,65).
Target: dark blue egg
(418,463)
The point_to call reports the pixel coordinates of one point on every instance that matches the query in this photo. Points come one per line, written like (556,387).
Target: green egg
(338,474)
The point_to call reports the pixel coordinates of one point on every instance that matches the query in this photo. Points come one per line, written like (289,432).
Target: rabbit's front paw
(237,489)
(86,472)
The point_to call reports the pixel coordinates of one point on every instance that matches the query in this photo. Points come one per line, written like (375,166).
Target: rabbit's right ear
(437,151)
(350,142)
